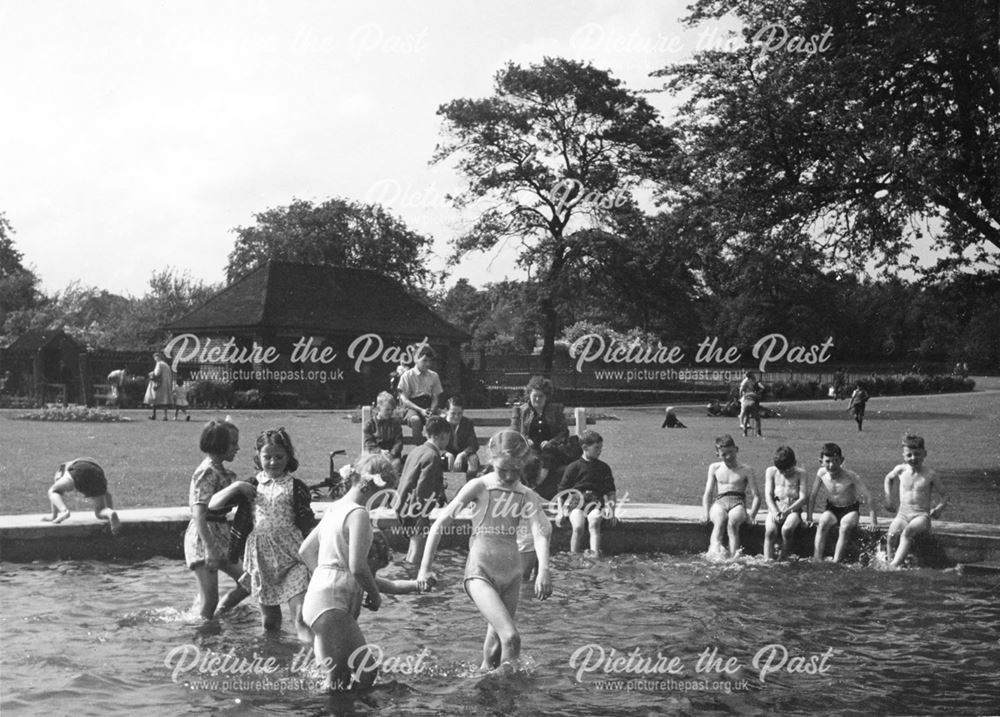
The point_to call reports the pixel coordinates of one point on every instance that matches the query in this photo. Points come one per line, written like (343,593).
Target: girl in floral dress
(282,517)
(206,541)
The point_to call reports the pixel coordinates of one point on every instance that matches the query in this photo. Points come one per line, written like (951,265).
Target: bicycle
(333,486)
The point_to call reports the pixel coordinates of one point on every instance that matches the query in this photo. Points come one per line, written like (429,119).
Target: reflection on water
(623,636)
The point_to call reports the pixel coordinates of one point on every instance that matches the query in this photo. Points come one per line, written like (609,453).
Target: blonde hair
(509,445)
(369,468)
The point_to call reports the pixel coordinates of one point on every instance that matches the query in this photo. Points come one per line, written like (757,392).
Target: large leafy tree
(18,285)
(338,232)
(558,147)
(888,129)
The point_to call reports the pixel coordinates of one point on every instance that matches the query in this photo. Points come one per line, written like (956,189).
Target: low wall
(646,528)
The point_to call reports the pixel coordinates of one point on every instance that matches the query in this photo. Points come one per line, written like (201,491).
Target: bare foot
(116,524)
(60,517)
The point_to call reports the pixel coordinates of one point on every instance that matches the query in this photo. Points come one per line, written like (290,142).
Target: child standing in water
(281,517)
(206,541)
(914,512)
(336,552)
(725,496)
(493,569)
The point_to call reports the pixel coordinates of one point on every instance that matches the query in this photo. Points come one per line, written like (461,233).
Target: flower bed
(81,414)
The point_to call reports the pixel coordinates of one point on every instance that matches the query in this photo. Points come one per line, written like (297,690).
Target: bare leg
(59,510)
(920,524)
(718,516)
(301,629)
(416,550)
(792,523)
(104,510)
(499,613)
(737,517)
(337,636)
(238,594)
(848,523)
(594,524)
(270,617)
(577,520)
(770,530)
(826,521)
(208,585)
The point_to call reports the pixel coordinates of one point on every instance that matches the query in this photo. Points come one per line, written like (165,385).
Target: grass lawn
(149,464)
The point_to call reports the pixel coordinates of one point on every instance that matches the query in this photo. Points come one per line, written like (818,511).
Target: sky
(138,134)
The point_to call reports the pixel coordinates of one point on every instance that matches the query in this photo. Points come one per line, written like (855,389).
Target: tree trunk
(550,322)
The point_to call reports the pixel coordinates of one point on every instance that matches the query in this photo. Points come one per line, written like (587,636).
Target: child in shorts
(859,398)
(913,504)
(785,494)
(843,488)
(87,477)
(587,495)
(725,496)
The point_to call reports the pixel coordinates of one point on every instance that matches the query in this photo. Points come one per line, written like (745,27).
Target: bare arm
(755,495)
(706,500)
(936,484)
(469,493)
(541,530)
(230,494)
(817,482)
(888,485)
(772,507)
(359,537)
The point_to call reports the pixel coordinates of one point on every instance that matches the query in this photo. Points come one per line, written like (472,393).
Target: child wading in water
(493,569)
(84,475)
(281,517)
(337,552)
(913,506)
(206,541)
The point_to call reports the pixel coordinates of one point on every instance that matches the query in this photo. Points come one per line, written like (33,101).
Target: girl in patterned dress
(282,517)
(206,541)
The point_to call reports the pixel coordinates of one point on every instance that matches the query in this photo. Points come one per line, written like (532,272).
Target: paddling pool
(633,634)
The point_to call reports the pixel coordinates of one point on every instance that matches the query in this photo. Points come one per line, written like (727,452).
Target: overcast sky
(138,134)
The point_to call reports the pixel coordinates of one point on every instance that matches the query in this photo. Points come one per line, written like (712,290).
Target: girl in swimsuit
(493,570)
(336,552)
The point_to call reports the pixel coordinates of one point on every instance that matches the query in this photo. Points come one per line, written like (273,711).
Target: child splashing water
(206,541)
(493,570)
(281,517)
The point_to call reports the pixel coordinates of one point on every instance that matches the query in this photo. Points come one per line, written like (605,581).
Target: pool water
(622,636)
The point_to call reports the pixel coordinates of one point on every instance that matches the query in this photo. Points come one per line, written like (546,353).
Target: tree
(557,143)
(337,232)
(18,285)
(860,125)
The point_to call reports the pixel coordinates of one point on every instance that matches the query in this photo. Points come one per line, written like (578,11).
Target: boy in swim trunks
(587,495)
(842,505)
(725,496)
(784,491)
(86,476)
(421,486)
(914,513)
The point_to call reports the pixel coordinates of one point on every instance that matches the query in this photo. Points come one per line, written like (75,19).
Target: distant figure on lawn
(161,381)
(670,420)
(859,399)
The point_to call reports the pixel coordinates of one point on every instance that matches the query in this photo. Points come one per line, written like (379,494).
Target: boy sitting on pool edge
(913,507)
(725,496)
(843,488)
(587,495)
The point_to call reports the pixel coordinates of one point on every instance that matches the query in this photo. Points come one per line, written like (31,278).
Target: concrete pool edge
(646,528)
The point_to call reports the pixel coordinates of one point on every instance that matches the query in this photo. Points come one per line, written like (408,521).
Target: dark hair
(276,437)
(590,438)
(437,426)
(784,458)
(456,401)
(539,383)
(911,440)
(425,351)
(724,441)
(216,437)
(832,450)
